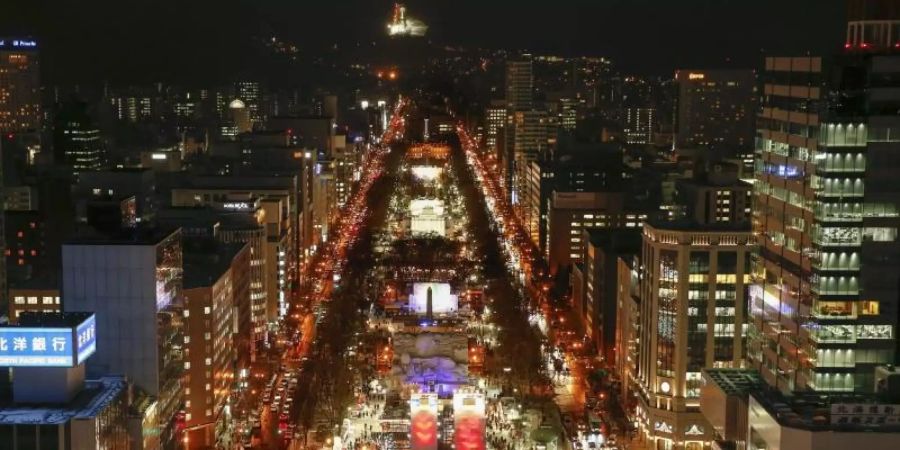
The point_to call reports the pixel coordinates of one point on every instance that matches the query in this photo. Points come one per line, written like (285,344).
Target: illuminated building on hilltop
(403,25)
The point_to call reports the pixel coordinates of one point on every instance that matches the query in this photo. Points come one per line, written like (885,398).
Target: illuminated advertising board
(86,338)
(18,43)
(22,346)
(423,409)
(468,419)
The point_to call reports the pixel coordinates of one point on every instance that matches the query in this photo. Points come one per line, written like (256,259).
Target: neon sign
(48,346)
(18,43)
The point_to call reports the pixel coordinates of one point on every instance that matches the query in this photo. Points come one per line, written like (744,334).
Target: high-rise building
(595,284)
(638,125)
(716,110)
(519,83)
(209,298)
(495,120)
(826,275)
(134,282)
(528,139)
(251,93)
(20,85)
(76,140)
(692,312)
(571,212)
(827,220)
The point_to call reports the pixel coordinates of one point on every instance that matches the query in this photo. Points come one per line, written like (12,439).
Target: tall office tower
(133,281)
(209,271)
(528,138)
(827,216)
(20,105)
(638,125)
(76,140)
(250,92)
(716,110)
(638,110)
(20,85)
(692,313)
(519,84)
(495,120)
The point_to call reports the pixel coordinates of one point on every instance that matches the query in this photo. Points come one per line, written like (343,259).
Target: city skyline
(215,38)
(450,225)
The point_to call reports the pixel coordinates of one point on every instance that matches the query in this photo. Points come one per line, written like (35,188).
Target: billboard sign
(48,346)
(86,338)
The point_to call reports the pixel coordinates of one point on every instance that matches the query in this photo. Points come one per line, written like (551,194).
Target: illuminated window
(20,300)
(868,308)
(726,278)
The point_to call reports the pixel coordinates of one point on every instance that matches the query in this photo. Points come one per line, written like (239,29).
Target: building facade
(134,282)
(20,85)
(571,212)
(826,221)
(209,341)
(716,110)
(692,297)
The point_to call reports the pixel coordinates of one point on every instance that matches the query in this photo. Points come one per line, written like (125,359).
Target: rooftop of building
(206,260)
(42,319)
(715,182)
(832,411)
(96,396)
(739,382)
(688,225)
(123,236)
(261,181)
(207,217)
(617,238)
(47,280)
(120,170)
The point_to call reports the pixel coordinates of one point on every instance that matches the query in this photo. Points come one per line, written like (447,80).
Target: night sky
(190,39)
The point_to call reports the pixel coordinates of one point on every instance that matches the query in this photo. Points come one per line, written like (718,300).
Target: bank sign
(48,346)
